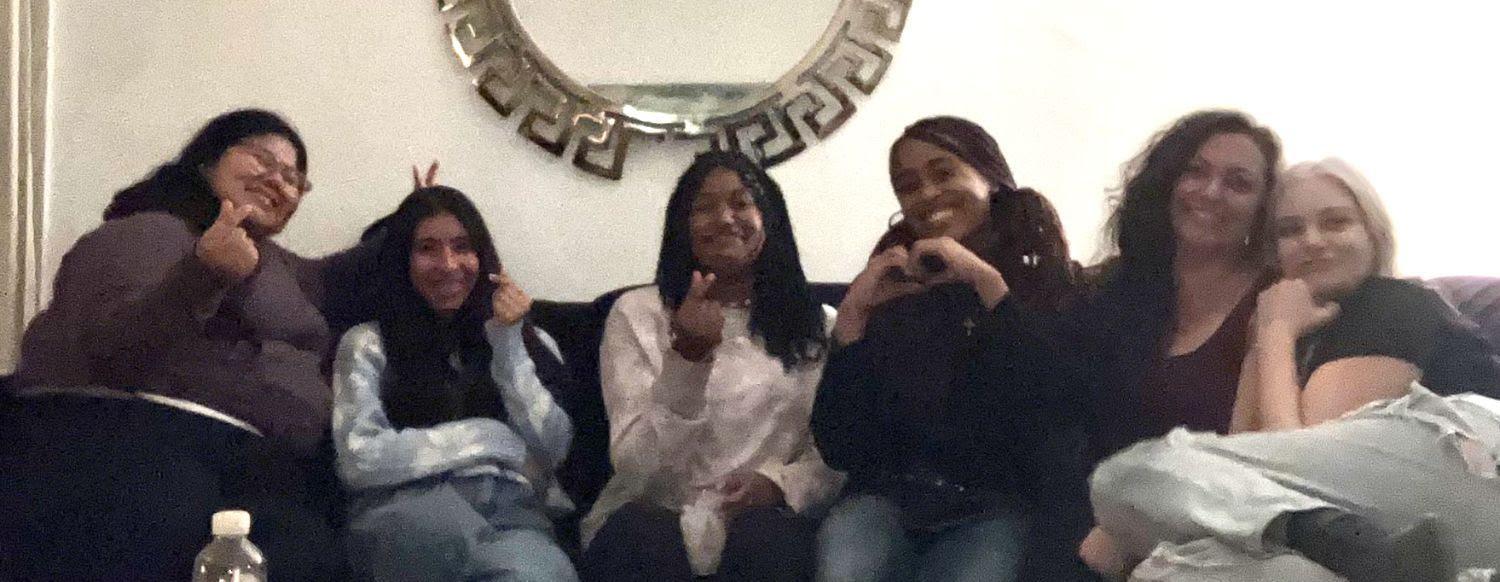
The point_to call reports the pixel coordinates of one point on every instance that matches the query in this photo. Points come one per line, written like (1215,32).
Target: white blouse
(677,428)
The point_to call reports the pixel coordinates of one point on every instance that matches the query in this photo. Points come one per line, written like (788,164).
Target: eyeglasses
(289,174)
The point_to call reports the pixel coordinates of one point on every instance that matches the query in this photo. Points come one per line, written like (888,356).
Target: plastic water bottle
(230,557)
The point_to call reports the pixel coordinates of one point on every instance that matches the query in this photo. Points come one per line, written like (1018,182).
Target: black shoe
(1353,546)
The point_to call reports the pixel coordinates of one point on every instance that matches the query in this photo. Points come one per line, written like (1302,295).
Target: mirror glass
(670,58)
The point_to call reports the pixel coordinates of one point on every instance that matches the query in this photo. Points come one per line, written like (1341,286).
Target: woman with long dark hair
(1158,340)
(447,440)
(708,381)
(176,372)
(1169,324)
(1345,446)
(960,457)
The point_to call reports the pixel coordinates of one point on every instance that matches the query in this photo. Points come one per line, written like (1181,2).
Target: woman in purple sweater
(177,372)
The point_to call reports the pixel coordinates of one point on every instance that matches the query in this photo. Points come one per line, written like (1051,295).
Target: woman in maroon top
(1175,302)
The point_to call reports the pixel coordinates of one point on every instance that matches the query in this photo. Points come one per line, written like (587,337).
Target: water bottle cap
(233,522)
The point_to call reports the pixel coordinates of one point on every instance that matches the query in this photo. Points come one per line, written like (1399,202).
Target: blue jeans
(862,539)
(467,528)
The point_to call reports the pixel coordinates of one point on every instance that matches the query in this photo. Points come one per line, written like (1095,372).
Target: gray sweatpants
(1394,461)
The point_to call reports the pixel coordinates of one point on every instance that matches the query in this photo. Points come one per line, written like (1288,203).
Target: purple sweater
(134,308)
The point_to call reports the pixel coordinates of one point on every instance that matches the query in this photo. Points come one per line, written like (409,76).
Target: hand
(1099,552)
(1288,307)
(963,266)
(537,473)
(883,279)
(226,248)
(418,181)
(510,303)
(698,323)
(745,490)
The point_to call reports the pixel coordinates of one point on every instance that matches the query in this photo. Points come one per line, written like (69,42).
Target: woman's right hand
(1287,310)
(226,248)
(418,181)
(885,278)
(698,323)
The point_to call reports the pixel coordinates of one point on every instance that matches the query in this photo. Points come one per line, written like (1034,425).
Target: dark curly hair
(1139,231)
(1140,278)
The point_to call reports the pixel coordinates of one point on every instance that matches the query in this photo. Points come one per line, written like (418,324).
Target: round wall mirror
(592,77)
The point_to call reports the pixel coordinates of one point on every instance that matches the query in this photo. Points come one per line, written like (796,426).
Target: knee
(637,542)
(542,561)
(1128,468)
(776,525)
(400,530)
(402,519)
(861,539)
(862,513)
(637,521)
(773,537)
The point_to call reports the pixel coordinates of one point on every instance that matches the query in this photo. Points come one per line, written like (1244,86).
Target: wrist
(693,349)
(849,327)
(1275,332)
(990,285)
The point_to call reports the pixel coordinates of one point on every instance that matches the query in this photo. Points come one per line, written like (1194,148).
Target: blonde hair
(1377,221)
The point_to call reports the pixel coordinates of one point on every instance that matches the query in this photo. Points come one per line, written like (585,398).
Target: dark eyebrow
(939,161)
(735,192)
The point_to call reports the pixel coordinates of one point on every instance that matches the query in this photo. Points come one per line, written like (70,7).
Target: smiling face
(939,194)
(250,174)
(726,225)
(1321,236)
(444,264)
(1215,200)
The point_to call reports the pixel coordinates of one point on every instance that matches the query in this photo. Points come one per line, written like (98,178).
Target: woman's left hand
(1100,553)
(745,490)
(960,265)
(509,301)
(1289,308)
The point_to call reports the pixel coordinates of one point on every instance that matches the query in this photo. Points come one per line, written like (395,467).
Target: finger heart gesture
(698,323)
(226,248)
(510,303)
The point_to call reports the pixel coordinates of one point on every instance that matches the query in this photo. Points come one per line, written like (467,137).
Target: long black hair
(1141,277)
(424,388)
(180,188)
(782,310)
(1023,237)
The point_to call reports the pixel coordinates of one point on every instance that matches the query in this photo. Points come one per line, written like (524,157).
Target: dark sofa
(578,328)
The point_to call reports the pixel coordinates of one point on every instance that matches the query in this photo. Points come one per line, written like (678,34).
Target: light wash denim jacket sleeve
(373,454)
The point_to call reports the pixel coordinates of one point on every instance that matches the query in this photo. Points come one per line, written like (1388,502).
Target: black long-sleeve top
(940,381)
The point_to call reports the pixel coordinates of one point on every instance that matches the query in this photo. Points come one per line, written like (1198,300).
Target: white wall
(1070,87)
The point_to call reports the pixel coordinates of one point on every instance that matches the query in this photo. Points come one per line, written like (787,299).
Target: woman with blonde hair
(1370,450)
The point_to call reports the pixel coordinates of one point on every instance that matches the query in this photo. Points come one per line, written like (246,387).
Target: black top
(1404,320)
(933,385)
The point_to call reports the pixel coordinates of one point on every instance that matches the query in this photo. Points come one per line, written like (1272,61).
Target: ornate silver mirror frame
(559,114)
